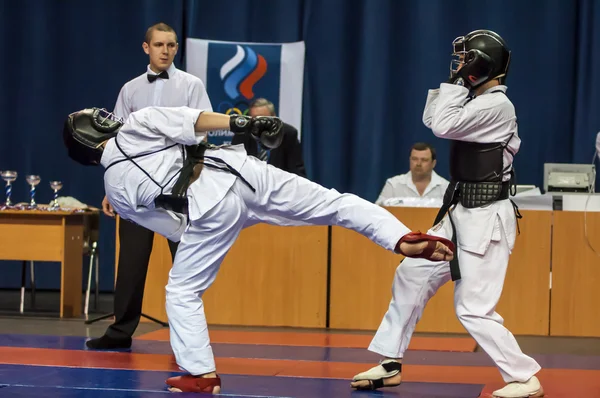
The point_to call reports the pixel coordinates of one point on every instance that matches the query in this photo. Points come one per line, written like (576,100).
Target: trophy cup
(56,186)
(9,177)
(32,180)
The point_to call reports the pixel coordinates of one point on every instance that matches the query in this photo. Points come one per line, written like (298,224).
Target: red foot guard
(416,237)
(189,383)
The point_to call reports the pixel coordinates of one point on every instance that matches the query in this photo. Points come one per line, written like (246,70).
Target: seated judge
(288,156)
(420,182)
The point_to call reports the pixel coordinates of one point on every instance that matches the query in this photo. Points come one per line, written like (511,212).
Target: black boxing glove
(475,71)
(267,131)
(264,129)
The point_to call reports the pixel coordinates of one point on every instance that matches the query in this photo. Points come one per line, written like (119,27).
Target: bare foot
(390,381)
(441,253)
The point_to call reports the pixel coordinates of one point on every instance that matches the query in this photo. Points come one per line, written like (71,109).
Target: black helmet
(86,130)
(487,42)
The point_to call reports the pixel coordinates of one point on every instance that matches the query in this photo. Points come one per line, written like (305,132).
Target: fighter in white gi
(473,111)
(203,196)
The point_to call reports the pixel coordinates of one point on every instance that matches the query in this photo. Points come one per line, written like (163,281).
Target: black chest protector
(476,173)
(475,162)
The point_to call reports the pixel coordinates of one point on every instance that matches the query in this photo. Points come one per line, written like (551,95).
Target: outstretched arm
(267,130)
(188,126)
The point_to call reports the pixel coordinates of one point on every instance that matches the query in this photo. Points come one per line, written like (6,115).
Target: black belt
(470,195)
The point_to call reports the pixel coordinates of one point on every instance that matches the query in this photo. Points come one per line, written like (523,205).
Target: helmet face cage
(458,50)
(106,115)
(105,120)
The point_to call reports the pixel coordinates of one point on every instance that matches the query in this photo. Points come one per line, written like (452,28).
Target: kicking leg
(283,198)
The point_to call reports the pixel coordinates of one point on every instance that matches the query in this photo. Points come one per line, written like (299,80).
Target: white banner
(236,73)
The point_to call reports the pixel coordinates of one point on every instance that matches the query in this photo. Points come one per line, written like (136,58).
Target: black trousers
(134,255)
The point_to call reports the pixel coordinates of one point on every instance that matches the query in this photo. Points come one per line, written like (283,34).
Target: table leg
(71,268)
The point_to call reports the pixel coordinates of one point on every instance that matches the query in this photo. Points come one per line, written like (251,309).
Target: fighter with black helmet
(471,110)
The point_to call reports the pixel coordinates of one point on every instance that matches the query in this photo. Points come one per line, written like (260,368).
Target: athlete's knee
(468,317)
(182,297)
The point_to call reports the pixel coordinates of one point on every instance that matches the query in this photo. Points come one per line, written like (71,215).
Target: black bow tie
(162,75)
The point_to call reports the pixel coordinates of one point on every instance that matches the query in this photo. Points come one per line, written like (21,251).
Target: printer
(572,178)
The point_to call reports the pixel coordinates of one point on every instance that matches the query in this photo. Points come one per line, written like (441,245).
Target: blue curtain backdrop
(369,64)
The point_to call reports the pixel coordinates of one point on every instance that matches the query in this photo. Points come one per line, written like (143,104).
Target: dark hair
(162,27)
(423,146)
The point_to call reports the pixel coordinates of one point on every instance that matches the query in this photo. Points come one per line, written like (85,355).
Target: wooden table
(362,275)
(34,235)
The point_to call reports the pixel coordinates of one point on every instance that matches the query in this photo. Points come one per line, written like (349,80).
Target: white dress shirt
(402,186)
(132,192)
(489,117)
(180,89)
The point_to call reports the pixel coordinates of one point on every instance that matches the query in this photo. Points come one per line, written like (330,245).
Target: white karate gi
(486,237)
(220,206)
